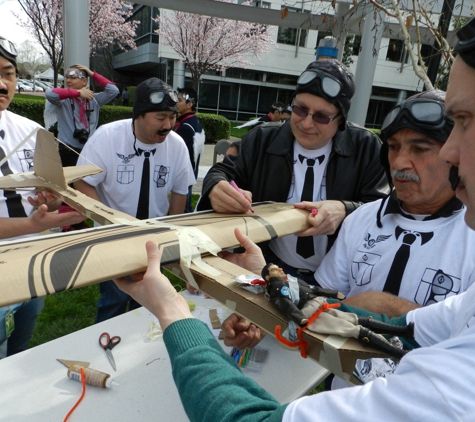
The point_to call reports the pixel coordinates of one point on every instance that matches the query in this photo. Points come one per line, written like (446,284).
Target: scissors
(108,343)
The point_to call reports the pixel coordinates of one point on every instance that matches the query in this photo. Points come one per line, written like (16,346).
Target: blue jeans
(25,314)
(113,302)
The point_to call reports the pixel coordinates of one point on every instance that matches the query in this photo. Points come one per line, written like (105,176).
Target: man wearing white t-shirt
(143,161)
(18,216)
(413,244)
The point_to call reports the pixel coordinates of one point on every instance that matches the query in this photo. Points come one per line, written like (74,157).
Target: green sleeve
(211,386)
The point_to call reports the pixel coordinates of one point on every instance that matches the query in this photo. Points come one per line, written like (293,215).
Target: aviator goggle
(157,97)
(427,114)
(466,36)
(8,47)
(73,74)
(327,84)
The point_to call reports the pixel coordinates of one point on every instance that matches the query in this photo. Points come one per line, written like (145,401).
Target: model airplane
(48,264)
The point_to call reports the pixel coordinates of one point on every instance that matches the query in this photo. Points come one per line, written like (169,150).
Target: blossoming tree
(107,26)
(206,43)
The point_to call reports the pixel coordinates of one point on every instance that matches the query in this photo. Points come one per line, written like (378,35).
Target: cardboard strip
(214,318)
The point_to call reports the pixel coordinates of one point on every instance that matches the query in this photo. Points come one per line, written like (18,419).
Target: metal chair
(220,148)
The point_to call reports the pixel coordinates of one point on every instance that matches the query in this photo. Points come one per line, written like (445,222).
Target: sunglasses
(427,114)
(157,97)
(316,117)
(329,86)
(8,47)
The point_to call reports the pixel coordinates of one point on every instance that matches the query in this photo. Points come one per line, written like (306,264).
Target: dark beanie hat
(338,71)
(8,50)
(145,101)
(465,47)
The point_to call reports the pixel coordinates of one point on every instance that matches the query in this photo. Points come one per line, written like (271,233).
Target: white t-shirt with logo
(112,149)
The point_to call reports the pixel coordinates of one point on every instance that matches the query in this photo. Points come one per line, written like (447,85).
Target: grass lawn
(238,133)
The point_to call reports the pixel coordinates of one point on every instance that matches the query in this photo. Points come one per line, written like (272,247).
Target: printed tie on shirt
(144,197)
(305,247)
(401,258)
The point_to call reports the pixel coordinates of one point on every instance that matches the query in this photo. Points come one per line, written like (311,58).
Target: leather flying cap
(431,122)
(336,70)
(465,46)
(423,113)
(8,51)
(154,95)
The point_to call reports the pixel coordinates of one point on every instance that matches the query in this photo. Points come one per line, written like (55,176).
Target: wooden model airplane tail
(49,175)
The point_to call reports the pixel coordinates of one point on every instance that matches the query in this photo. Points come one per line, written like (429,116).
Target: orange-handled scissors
(108,343)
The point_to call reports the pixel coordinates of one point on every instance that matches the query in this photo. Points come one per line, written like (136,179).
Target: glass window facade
(238,101)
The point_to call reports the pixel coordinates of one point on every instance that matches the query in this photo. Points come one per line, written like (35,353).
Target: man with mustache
(143,161)
(18,216)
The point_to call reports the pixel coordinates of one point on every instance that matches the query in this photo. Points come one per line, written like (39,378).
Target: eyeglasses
(427,114)
(8,47)
(8,76)
(328,85)
(157,97)
(316,117)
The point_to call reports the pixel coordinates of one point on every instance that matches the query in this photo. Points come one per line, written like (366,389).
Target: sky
(9,27)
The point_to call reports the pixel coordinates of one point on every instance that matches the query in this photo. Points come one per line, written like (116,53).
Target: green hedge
(33,109)
(216,127)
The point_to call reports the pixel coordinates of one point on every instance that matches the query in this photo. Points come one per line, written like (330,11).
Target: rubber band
(83,382)
(301,344)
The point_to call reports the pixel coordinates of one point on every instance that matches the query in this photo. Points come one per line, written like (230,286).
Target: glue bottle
(93,376)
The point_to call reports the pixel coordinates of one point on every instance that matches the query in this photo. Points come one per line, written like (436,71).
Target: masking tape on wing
(330,357)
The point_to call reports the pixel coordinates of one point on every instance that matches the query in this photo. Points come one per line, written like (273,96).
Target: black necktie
(2,134)
(305,246)
(142,207)
(396,272)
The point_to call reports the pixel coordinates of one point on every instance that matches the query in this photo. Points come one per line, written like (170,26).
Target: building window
(426,52)
(396,51)
(291,36)
(256,3)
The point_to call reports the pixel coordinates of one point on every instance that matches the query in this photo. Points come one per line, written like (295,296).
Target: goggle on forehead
(8,47)
(427,114)
(326,84)
(157,97)
(75,74)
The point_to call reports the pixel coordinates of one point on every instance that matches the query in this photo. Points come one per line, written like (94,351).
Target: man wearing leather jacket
(316,156)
